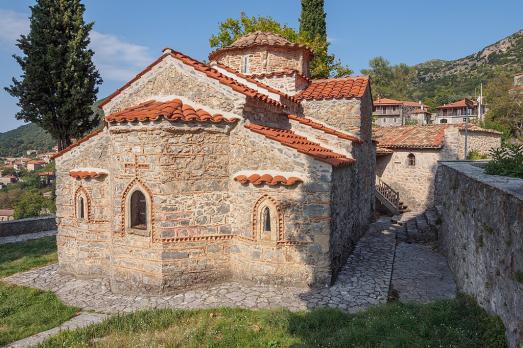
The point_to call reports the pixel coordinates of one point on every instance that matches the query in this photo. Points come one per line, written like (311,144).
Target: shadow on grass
(451,323)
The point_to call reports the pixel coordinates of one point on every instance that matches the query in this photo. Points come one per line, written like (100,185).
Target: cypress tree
(59,81)
(312,21)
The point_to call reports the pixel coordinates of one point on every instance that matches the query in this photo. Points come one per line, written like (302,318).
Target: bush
(474,155)
(507,161)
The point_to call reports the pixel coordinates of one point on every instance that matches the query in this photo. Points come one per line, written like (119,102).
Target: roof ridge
(325,128)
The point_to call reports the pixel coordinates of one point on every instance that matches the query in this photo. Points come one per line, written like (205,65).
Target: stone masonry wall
(482,235)
(289,84)
(84,245)
(264,60)
(481,142)
(25,226)
(343,114)
(301,256)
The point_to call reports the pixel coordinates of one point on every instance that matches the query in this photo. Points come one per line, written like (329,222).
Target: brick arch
(137,183)
(267,201)
(82,191)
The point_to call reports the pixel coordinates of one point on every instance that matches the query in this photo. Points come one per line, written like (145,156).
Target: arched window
(81,208)
(411,159)
(266,220)
(444,120)
(138,211)
(245,64)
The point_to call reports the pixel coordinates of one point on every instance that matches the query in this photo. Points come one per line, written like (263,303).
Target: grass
(20,257)
(451,323)
(25,311)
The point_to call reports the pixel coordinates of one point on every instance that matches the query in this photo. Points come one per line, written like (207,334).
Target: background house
(458,112)
(391,112)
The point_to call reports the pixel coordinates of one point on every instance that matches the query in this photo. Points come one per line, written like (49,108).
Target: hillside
(27,137)
(463,75)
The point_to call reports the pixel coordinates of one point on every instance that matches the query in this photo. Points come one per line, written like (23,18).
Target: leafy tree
(8,171)
(59,80)
(391,81)
(31,204)
(504,108)
(323,64)
(312,20)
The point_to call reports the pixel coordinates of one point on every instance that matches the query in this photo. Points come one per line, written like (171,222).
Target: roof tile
(326,129)
(346,87)
(257,179)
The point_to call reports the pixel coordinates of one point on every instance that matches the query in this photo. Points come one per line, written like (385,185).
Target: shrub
(507,161)
(474,155)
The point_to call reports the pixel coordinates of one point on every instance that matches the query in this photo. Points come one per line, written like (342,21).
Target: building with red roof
(392,112)
(244,168)
(464,110)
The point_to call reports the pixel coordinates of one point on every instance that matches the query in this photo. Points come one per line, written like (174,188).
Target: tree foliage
(59,80)
(323,65)
(504,108)
(31,204)
(312,19)
(391,81)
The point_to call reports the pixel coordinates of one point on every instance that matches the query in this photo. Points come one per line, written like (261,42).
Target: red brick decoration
(326,129)
(346,87)
(257,179)
(81,191)
(173,110)
(302,145)
(84,174)
(256,214)
(260,39)
(282,73)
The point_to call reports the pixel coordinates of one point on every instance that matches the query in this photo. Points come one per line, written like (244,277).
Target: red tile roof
(201,67)
(420,111)
(301,144)
(419,137)
(259,38)
(346,87)
(257,179)
(381,151)
(36,162)
(259,84)
(173,110)
(389,101)
(326,129)
(72,146)
(83,174)
(7,212)
(463,103)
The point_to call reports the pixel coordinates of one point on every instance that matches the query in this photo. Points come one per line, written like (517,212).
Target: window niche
(411,160)
(138,211)
(82,205)
(267,220)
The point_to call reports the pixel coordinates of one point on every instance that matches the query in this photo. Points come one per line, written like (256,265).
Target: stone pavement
(24,237)
(363,281)
(421,275)
(82,320)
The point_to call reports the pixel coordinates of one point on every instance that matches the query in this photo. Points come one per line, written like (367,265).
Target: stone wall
(289,84)
(482,236)
(343,114)
(263,60)
(478,141)
(24,226)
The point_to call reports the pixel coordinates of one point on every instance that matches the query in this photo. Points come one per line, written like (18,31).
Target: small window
(443,121)
(81,208)
(138,211)
(245,65)
(411,160)
(266,219)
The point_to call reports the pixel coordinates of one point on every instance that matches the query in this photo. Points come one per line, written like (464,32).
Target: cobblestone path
(363,281)
(421,275)
(81,320)
(24,237)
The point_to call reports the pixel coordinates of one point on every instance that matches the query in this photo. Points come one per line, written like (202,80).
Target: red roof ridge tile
(79,142)
(201,67)
(284,72)
(261,179)
(301,144)
(172,110)
(329,130)
(87,173)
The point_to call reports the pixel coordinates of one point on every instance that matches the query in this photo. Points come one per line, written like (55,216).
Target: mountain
(27,137)
(463,76)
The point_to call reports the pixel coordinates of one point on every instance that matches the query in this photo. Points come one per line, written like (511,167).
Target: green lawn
(25,311)
(454,323)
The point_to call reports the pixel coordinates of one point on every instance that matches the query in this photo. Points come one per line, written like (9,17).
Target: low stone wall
(24,226)
(482,235)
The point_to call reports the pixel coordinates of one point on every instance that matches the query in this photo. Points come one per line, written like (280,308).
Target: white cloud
(117,60)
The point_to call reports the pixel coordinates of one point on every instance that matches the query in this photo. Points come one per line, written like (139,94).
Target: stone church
(241,169)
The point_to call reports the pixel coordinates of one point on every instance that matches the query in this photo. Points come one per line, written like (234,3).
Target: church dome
(264,52)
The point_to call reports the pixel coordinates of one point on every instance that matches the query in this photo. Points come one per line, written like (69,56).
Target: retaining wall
(30,225)
(482,236)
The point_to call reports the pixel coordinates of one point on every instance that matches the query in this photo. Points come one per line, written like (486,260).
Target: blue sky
(128,35)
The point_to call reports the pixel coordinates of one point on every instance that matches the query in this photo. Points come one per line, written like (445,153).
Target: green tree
(504,108)
(312,20)
(391,81)
(30,204)
(59,80)
(323,64)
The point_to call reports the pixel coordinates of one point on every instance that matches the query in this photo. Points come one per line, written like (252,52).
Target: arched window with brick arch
(267,220)
(411,160)
(137,209)
(82,205)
